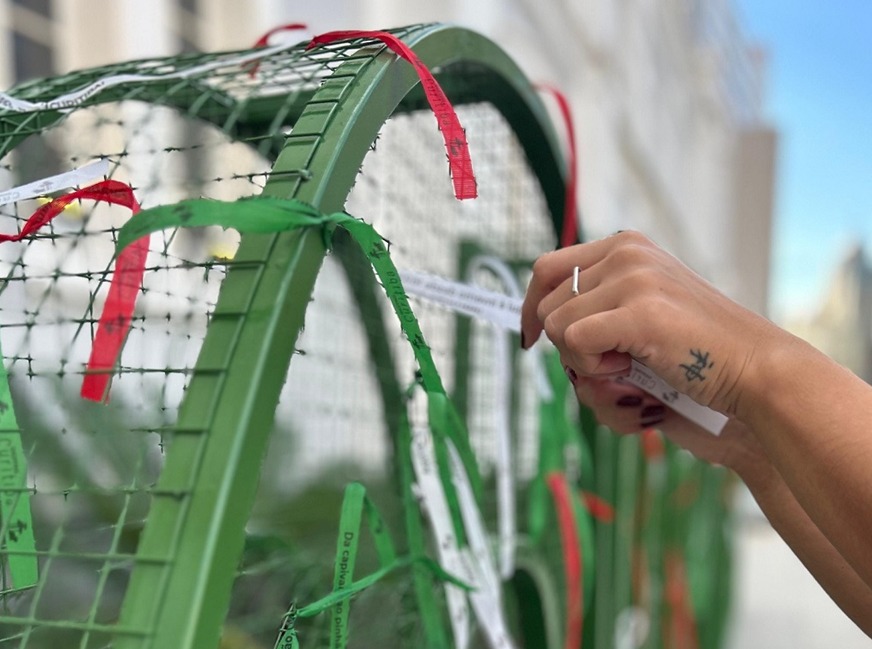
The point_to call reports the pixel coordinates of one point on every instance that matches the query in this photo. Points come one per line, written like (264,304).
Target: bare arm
(812,417)
(814,550)
(738,449)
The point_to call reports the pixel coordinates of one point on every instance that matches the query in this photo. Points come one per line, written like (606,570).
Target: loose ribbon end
(95,387)
(456,146)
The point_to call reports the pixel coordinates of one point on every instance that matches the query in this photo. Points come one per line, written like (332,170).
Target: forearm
(812,548)
(632,300)
(812,417)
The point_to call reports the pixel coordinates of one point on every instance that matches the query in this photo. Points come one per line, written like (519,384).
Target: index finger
(550,270)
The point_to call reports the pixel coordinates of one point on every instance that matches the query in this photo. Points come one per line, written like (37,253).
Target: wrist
(767,370)
(751,464)
(744,455)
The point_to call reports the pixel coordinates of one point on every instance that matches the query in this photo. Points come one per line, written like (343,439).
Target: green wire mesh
(92,469)
(203,499)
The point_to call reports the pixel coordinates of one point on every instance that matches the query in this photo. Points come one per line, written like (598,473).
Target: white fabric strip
(78,97)
(486,598)
(502,407)
(85,174)
(504,311)
(642,377)
(435,506)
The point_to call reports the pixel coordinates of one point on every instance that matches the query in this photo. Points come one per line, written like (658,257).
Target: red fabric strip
(459,162)
(569,235)
(598,508)
(129,267)
(682,628)
(572,560)
(652,444)
(290,27)
(263,41)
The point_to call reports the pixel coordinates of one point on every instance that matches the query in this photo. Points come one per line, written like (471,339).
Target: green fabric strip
(355,505)
(346,557)
(557,434)
(265,215)
(19,545)
(425,591)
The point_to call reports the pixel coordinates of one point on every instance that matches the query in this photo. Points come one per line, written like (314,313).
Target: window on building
(188,25)
(32,33)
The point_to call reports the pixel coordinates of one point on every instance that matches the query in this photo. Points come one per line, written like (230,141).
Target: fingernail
(652,422)
(523,341)
(649,412)
(629,401)
(573,377)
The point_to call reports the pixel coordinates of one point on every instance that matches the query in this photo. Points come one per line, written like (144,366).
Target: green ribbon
(263,214)
(19,546)
(556,435)
(256,214)
(355,505)
(269,215)
(425,591)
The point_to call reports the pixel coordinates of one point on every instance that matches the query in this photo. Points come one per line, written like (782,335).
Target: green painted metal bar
(235,386)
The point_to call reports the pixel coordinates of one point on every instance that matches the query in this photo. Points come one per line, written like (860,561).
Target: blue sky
(820,98)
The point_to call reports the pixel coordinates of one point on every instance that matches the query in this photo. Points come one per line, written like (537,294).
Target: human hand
(635,300)
(627,410)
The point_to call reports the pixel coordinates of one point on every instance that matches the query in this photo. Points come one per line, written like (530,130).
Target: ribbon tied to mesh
(114,322)
(456,146)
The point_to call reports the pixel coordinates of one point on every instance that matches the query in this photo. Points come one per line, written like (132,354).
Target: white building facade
(667,96)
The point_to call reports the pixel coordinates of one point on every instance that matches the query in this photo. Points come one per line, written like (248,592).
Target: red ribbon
(263,41)
(681,631)
(572,560)
(129,267)
(598,508)
(652,444)
(569,235)
(459,162)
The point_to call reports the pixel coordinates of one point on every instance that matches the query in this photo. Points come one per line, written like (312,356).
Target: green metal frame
(194,535)
(188,554)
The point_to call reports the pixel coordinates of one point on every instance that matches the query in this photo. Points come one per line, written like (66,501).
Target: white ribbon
(505,311)
(501,310)
(432,500)
(641,376)
(473,564)
(84,174)
(78,97)
(505,482)
(480,569)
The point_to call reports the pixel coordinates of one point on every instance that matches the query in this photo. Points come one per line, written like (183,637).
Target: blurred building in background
(842,325)
(667,96)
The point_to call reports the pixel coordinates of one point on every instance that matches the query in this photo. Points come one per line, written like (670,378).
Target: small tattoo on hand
(694,371)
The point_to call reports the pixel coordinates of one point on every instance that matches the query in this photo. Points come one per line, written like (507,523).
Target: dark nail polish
(649,412)
(573,377)
(629,401)
(652,422)
(523,341)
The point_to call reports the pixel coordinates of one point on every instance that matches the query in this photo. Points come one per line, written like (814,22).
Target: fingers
(553,269)
(588,283)
(588,328)
(598,344)
(636,301)
(623,408)
(628,410)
